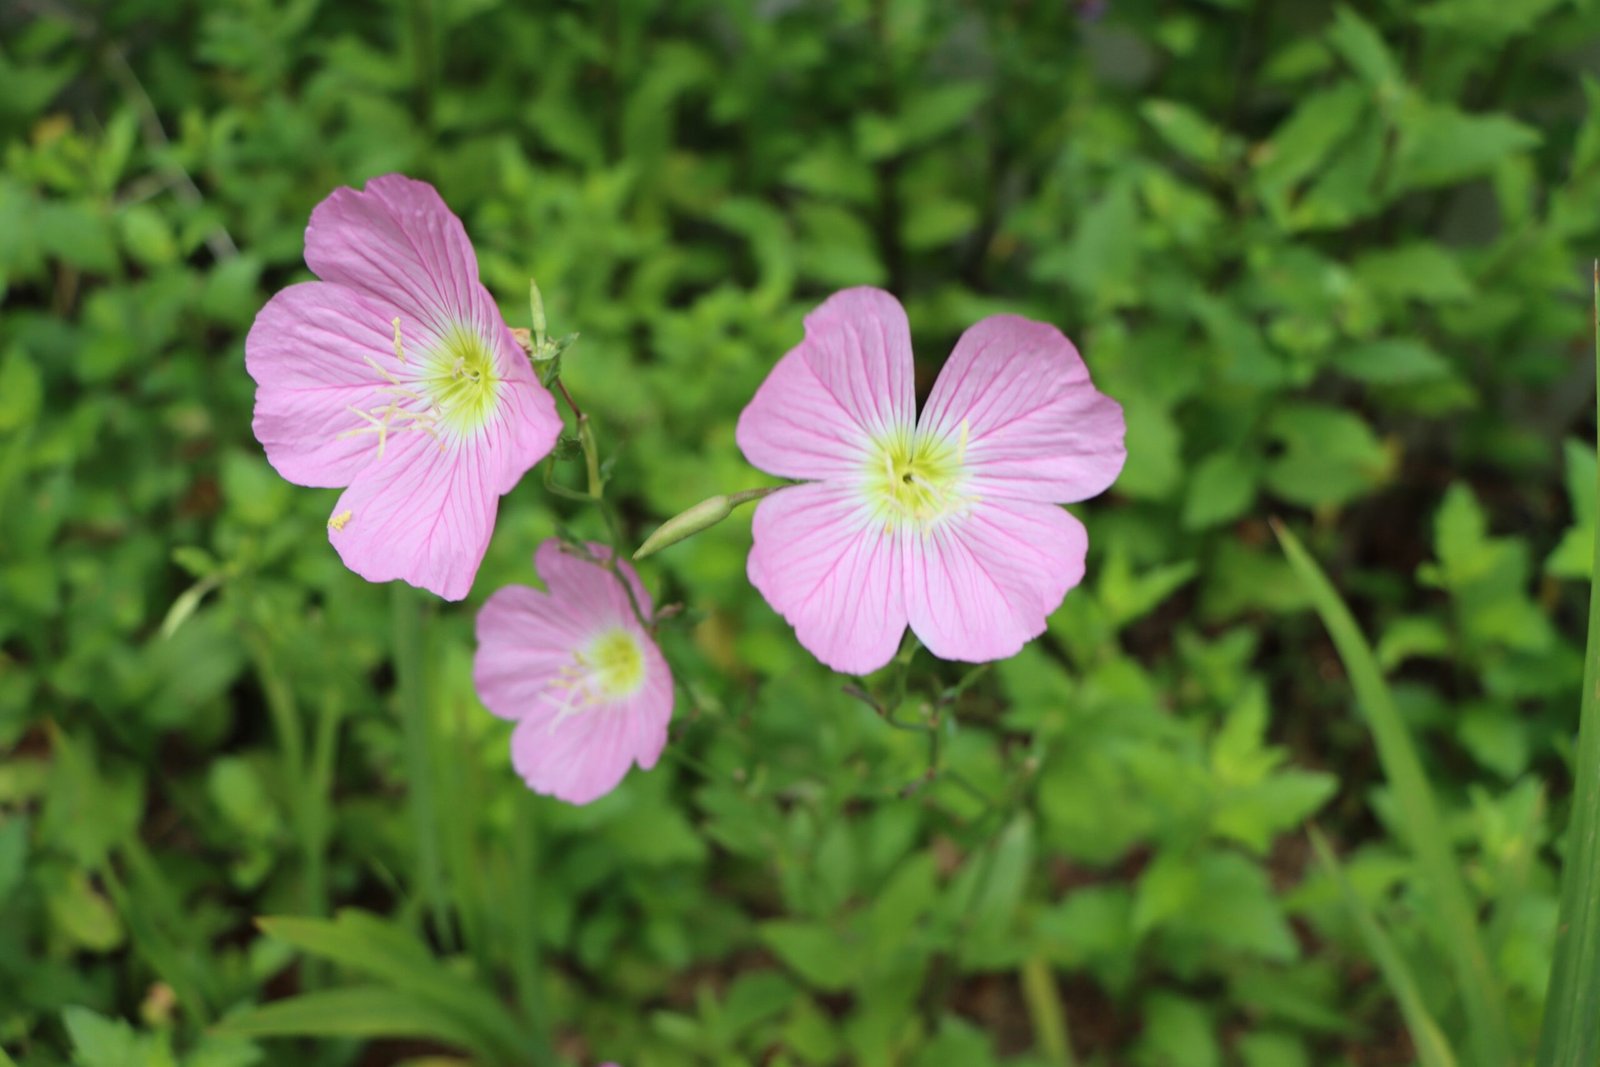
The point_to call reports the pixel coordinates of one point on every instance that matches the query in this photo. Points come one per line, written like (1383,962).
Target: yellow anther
(961,445)
(337,522)
(399,350)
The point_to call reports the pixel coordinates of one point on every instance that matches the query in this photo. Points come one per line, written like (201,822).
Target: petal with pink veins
(833,571)
(309,352)
(398,241)
(1017,399)
(980,586)
(851,379)
(423,513)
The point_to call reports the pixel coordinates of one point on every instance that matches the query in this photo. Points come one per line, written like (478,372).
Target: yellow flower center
(608,669)
(916,480)
(615,663)
(459,380)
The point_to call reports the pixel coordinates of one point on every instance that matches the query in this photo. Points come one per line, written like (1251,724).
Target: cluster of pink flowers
(395,378)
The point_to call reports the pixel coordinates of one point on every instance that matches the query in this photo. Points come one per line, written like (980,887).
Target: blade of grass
(411,679)
(1457,927)
(523,928)
(1432,1048)
(1570,1037)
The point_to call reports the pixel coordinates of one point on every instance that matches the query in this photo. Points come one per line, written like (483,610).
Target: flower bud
(686,524)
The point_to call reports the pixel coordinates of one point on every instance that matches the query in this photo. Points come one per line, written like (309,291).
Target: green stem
(411,679)
(1570,1037)
(1044,1012)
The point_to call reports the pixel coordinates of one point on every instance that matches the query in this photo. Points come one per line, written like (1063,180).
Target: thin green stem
(1570,1037)
(411,680)
(1044,1012)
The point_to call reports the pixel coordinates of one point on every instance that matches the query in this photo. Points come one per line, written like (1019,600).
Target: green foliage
(1331,259)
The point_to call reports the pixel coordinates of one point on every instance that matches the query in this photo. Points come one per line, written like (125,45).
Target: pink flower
(396,377)
(947,523)
(573,668)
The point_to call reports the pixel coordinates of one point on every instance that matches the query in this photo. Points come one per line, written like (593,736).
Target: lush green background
(1332,261)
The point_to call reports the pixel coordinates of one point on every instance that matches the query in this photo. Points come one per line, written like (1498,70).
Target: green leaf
(1221,488)
(359,1011)
(814,951)
(101,1042)
(1442,145)
(371,946)
(1362,46)
(1311,133)
(1420,271)
(1399,361)
(1190,133)
(21,391)
(1573,557)
(1330,455)
(1178,1032)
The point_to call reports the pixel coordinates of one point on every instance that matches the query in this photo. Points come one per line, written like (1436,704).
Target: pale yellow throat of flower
(609,668)
(448,391)
(915,481)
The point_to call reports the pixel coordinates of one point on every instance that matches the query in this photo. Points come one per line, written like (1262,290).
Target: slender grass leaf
(1432,1048)
(1570,1037)
(1457,928)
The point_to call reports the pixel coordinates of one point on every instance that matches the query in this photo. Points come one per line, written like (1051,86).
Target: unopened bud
(686,524)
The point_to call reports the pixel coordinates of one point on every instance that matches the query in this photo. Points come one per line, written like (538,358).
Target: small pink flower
(573,668)
(947,523)
(396,377)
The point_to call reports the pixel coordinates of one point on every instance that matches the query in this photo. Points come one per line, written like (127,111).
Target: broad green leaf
(1399,361)
(1330,455)
(1190,133)
(1361,46)
(1441,145)
(1221,488)
(1421,270)
(814,951)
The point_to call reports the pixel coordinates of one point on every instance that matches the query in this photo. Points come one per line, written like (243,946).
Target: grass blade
(1432,1048)
(358,1011)
(1458,928)
(1570,1037)
(416,731)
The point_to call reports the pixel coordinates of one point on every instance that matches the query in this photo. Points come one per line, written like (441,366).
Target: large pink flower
(947,523)
(395,376)
(588,689)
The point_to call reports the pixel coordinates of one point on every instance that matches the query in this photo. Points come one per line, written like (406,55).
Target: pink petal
(525,639)
(582,756)
(833,572)
(591,593)
(305,352)
(1037,429)
(849,380)
(396,240)
(422,513)
(981,586)
(525,425)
